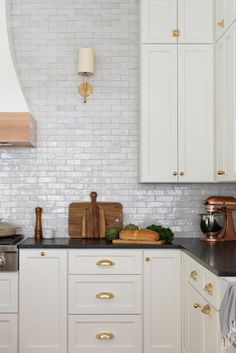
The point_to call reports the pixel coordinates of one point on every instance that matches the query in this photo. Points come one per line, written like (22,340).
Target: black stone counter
(219,258)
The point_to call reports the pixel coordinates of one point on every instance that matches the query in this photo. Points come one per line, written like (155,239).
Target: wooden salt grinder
(38,223)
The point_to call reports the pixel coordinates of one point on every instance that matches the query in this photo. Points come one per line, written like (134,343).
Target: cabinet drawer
(105,334)
(205,282)
(105,262)
(100,294)
(8,292)
(8,333)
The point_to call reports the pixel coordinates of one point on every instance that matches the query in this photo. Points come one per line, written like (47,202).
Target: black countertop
(219,258)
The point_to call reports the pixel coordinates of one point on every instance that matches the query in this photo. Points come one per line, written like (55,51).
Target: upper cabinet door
(225,16)
(195,21)
(159,20)
(159,113)
(226,106)
(195,117)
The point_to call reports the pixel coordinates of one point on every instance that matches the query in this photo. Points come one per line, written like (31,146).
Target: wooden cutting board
(90,219)
(121,241)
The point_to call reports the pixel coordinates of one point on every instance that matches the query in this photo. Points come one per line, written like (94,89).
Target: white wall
(85,147)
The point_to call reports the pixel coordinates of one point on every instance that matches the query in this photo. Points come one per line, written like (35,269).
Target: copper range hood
(17,126)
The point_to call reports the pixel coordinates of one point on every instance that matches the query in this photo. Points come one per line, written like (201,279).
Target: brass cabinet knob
(105,336)
(197,306)
(181,173)
(175,173)
(105,263)
(147,258)
(221,172)
(209,288)
(43,253)
(221,23)
(206,309)
(194,275)
(175,32)
(104,295)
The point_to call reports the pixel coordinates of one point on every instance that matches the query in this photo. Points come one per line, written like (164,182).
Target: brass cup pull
(209,288)
(194,275)
(181,173)
(221,23)
(105,263)
(147,258)
(221,172)
(105,336)
(42,253)
(175,173)
(104,295)
(197,306)
(206,309)
(175,33)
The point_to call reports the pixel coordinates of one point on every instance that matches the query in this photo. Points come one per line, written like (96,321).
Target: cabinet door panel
(159,113)
(8,333)
(195,21)
(195,117)
(8,292)
(159,18)
(43,301)
(162,302)
(226,105)
(221,17)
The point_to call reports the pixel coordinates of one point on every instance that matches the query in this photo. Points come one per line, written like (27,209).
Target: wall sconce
(85,68)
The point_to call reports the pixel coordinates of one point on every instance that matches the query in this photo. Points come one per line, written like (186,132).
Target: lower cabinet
(43,301)
(162,301)
(201,329)
(8,312)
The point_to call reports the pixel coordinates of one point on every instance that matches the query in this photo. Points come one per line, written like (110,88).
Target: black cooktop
(12,240)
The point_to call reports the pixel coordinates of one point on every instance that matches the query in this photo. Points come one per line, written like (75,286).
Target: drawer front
(105,334)
(8,333)
(100,294)
(105,261)
(211,289)
(194,274)
(8,292)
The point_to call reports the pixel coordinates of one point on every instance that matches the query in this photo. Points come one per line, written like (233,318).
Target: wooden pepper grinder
(38,223)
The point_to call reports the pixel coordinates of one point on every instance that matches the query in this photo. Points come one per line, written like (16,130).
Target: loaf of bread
(140,234)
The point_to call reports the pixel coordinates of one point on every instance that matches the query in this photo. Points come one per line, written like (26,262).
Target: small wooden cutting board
(90,219)
(156,242)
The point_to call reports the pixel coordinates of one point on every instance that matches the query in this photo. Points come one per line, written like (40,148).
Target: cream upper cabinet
(226,107)
(162,301)
(177,113)
(159,114)
(159,19)
(195,21)
(225,16)
(172,21)
(195,113)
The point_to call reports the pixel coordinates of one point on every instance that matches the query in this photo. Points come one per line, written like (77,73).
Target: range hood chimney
(17,126)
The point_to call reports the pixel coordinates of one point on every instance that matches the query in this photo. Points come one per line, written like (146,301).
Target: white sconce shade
(86,61)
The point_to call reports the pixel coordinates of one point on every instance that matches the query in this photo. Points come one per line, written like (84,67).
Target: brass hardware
(43,253)
(104,295)
(221,172)
(175,33)
(206,309)
(209,288)
(147,258)
(221,23)
(105,336)
(175,173)
(197,306)
(105,262)
(85,89)
(181,173)
(194,275)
